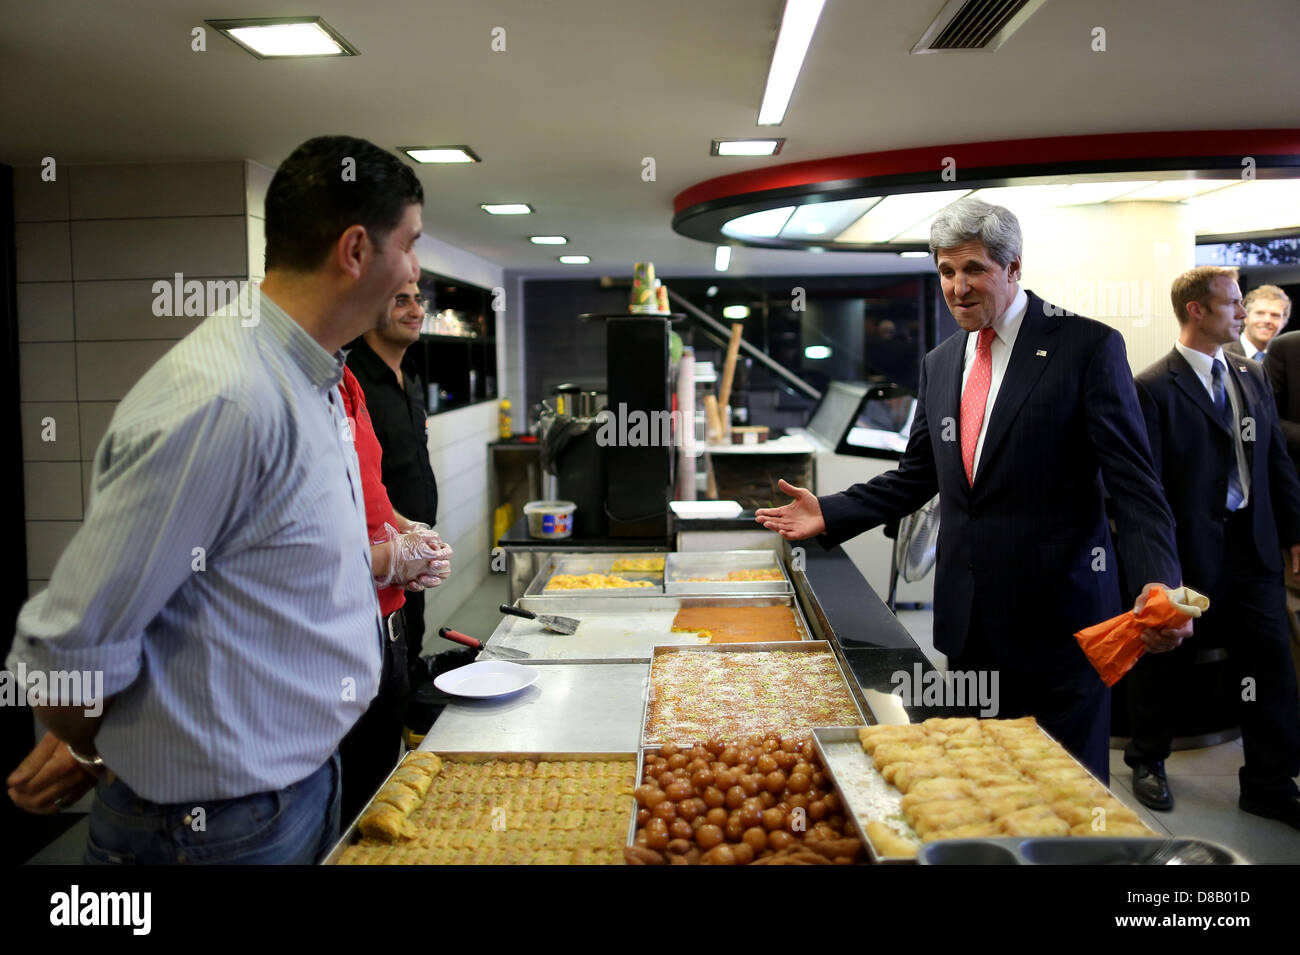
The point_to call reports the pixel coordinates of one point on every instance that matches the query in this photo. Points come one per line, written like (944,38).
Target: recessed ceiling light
(442,154)
(711,291)
(575,259)
(736,312)
(722,258)
(914,255)
(271,38)
(506,208)
(746,147)
(817,351)
(798,21)
(547,240)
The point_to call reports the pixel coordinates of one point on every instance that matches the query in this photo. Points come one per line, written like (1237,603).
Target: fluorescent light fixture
(271,38)
(1179,190)
(440,154)
(826,218)
(736,312)
(746,147)
(506,208)
(722,258)
(1087,193)
(548,240)
(1257,205)
(1022,198)
(575,259)
(798,21)
(894,215)
(758,225)
(914,255)
(817,351)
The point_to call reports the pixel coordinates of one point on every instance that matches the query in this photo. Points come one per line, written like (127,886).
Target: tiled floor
(1204,781)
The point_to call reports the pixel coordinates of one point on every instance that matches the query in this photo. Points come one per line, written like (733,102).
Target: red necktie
(973,399)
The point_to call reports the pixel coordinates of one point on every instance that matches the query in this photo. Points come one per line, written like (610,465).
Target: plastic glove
(440,570)
(412,556)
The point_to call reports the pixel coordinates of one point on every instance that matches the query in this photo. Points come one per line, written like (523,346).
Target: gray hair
(971,220)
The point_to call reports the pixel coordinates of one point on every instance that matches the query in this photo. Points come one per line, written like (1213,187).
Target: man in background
(394,395)
(221,582)
(1235,497)
(1267,310)
(1282,365)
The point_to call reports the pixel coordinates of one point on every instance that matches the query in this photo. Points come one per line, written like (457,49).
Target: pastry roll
(976,830)
(429,762)
(948,793)
(873,736)
(887,753)
(907,774)
(382,821)
(1033,821)
(889,843)
(947,815)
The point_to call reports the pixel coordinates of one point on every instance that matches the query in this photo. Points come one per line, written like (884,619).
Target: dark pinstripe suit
(1025,555)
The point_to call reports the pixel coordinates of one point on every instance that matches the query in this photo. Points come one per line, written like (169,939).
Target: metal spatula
(510,653)
(565,625)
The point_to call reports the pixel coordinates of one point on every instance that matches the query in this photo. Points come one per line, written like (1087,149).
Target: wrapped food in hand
(1115,645)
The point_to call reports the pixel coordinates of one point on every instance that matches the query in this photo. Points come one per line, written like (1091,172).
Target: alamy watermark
(959,688)
(196,298)
(639,429)
(23,687)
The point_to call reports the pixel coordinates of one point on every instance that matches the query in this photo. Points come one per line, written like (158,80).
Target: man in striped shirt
(221,582)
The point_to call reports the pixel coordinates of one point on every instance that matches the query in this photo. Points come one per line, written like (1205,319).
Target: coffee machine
(571,453)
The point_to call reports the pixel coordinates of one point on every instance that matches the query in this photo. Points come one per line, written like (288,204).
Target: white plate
(702,509)
(486,678)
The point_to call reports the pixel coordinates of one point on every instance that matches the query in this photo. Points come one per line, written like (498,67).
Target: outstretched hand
(798,520)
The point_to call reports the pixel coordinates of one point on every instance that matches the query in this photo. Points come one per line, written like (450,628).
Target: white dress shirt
(1005,327)
(1203,365)
(1249,348)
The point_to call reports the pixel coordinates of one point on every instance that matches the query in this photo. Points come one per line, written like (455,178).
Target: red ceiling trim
(1110,147)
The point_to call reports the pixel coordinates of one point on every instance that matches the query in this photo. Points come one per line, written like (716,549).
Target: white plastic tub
(550,520)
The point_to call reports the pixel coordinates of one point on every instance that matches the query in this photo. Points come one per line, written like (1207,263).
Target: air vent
(975,25)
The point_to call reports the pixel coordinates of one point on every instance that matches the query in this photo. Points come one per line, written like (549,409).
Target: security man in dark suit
(1017,422)
(1282,365)
(1218,449)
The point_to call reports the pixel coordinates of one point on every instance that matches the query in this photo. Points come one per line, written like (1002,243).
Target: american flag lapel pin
(1241,368)
(1040,353)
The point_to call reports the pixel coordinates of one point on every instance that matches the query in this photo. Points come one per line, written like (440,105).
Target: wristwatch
(92,764)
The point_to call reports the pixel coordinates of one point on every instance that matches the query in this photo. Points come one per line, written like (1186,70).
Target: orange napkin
(1114,645)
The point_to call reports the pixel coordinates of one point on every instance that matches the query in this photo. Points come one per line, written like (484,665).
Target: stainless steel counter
(572,708)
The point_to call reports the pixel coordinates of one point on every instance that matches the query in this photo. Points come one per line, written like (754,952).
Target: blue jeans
(296,825)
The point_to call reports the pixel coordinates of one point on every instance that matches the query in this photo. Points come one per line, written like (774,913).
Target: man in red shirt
(404,555)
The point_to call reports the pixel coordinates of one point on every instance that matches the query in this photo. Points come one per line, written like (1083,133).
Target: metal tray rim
(807,646)
(669,601)
(352,834)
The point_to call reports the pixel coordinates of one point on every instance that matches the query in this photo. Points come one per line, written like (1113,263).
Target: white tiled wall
(89,247)
(458,452)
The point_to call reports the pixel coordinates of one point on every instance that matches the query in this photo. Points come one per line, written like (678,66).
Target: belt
(395,625)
